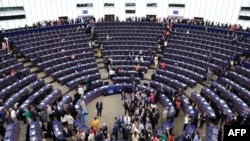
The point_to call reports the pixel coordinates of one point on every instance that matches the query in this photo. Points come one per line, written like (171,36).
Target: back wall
(224,11)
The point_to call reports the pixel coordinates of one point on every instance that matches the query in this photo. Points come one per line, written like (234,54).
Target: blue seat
(51,98)
(203,105)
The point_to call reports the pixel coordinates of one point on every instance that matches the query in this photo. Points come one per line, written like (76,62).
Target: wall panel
(224,11)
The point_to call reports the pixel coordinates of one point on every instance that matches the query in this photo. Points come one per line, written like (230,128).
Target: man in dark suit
(105,130)
(99,107)
(99,136)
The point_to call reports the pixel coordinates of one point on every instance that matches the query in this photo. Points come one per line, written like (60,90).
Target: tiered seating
(191,74)
(216,101)
(215,34)
(241,91)
(15,87)
(6,70)
(127,38)
(201,63)
(125,57)
(12,132)
(78,124)
(54,96)
(190,82)
(246,64)
(64,78)
(124,49)
(59,66)
(52,50)
(238,104)
(171,82)
(23,93)
(35,131)
(66,99)
(10,79)
(58,130)
(39,95)
(188,66)
(243,71)
(208,40)
(200,49)
(242,80)
(166,88)
(187,107)
(39,36)
(212,133)
(119,79)
(203,105)
(94,78)
(131,62)
(63,59)
(196,55)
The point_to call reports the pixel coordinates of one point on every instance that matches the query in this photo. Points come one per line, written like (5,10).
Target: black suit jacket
(99,105)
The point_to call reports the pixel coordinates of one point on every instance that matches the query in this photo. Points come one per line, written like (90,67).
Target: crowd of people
(141,114)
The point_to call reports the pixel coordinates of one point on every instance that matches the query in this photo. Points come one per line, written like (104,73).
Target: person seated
(12,72)
(79,68)
(163,65)
(107,37)
(141,59)
(87,80)
(136,58)
(62,50)
(111,73)
(120,69)
(137,67)
(130,57)
(73,56)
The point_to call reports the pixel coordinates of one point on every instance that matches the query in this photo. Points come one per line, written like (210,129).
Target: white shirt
(136,58)
(13,114)
(127,120)
(164,114)
(64,118)
(156,59)
(141,59)
(80,90)
(49,110)
(153,106)
(111,72)
(7,40)
(165,43)
(134,128)
(186,120)
(70,119)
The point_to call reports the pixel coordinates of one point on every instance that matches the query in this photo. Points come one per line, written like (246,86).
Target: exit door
(109,18)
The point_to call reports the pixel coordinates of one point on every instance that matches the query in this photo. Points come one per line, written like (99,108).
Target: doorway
(151,18)
(109,18)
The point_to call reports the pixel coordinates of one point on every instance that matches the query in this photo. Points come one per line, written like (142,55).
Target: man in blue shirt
(79,68)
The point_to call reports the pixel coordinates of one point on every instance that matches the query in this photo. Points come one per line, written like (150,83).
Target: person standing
(99,107)
(13,115)
(203,119)
(209,74)
(156,61)
(126,106)
(95,124)
(186,121)
(84,115)
(80,90)
(105,130)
